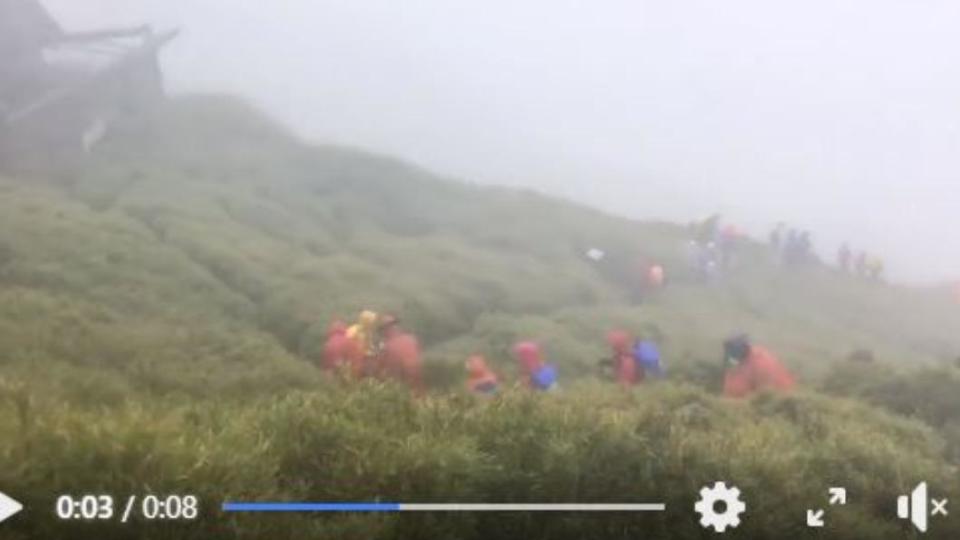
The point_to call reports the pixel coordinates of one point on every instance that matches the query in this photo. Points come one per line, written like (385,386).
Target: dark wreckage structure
(60,90)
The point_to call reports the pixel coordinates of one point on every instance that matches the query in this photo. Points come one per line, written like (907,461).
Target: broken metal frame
(151,44)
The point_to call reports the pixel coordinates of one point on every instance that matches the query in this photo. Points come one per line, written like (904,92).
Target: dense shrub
(930,395)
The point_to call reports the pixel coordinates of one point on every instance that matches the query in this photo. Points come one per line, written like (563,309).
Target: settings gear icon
(728,499)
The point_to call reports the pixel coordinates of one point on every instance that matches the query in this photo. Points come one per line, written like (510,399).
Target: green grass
(162,308)
(590,444)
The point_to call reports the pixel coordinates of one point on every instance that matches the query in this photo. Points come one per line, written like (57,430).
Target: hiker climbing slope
(752,369)
(535,373)
(400,355)
(340,351)
(480,378)
(646,354)
(363,332)
(625,369)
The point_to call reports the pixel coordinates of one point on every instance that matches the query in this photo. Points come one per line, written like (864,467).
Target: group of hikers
(374,346)
(652,274)
(862,265)
(794,247)
(377,346)
(713,247)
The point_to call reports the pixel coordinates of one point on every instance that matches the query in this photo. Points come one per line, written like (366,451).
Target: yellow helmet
(368,319)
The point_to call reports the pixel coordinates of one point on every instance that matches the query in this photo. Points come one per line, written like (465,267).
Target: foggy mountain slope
(161,309)
(217,248)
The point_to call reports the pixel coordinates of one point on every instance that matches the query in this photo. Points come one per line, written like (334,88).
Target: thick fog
(839,116)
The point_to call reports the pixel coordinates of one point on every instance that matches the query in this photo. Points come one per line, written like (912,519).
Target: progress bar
(445,507)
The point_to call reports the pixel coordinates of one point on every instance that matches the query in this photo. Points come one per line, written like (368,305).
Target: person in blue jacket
(647,355)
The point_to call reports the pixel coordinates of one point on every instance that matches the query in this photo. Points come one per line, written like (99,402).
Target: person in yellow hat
(363,333)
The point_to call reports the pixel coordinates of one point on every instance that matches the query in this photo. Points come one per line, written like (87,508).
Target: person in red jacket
(753,369)
(529,358)
(625,368)
(339,350)
(400,356)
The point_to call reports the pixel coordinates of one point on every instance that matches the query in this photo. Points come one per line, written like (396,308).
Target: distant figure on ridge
(860,264)
(875,268)
(776,237)
(656,276)
(706,231)
(844,258)
(805,248)
(727,242)
(790,248)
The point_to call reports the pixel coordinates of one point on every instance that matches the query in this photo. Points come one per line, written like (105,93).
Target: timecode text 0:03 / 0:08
(148,507)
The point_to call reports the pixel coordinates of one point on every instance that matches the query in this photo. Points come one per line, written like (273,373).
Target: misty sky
(842,116)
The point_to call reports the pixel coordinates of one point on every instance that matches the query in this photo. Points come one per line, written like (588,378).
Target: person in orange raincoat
(339,350)
(625,369)
(753,369)
(400,355)
(480,378)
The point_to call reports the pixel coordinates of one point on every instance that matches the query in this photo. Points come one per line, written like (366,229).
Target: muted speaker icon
(918,507)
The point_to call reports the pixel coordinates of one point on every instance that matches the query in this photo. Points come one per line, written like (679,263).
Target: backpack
(545,378)
(647,355)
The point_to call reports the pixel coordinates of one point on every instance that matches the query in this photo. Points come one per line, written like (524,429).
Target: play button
(8,507)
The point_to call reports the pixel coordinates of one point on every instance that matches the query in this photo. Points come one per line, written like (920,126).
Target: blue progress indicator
(309,507)
(433,507)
